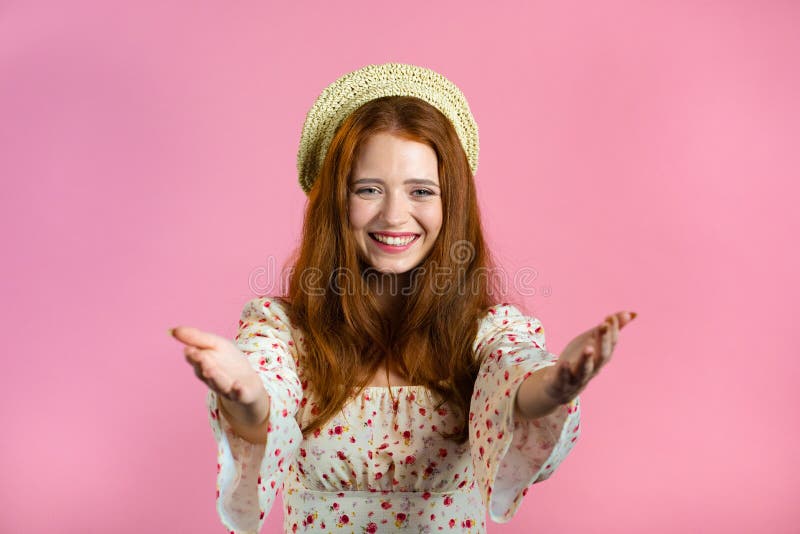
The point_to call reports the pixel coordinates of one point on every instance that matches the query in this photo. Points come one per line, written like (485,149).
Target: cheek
(432,218)
(358,216)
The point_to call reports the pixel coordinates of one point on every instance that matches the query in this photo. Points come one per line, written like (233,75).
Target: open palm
(583,357)
(220,364)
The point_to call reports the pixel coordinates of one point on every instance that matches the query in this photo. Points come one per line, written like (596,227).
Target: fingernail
(633,315)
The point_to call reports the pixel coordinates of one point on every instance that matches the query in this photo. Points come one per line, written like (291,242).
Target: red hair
(347,336)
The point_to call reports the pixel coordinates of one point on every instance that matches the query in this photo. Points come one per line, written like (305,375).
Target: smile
(394,242)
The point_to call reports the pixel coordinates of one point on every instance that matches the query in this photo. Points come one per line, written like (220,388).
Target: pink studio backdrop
(636,157)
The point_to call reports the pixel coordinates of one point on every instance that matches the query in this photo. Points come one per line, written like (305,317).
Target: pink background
(637,157)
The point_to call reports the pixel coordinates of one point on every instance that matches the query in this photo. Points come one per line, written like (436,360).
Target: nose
(395,209)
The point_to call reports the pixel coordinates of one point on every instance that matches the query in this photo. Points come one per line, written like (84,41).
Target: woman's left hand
(583,357)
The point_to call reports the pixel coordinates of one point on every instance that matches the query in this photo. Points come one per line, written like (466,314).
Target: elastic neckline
(415,387)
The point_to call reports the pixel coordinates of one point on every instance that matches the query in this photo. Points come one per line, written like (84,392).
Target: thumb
(196,337)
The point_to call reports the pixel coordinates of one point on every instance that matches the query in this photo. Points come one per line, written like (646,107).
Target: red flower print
(341,455)
(422,411)
(426,495)
(442,452)
(448,500)
(372,528)
(386,505)
(452,523)
(401,516)
(378,476)
(410,459)
(302,452)
(337,429)
(407,434)
(344,519)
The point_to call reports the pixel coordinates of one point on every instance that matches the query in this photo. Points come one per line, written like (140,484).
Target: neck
(388,289)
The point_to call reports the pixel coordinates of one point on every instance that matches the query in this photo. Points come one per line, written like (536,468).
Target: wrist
(532,402)
(251,414)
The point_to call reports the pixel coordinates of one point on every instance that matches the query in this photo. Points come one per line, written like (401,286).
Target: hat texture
(356,88)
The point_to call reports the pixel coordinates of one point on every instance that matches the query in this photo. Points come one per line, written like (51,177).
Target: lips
(394,247)
(394,234)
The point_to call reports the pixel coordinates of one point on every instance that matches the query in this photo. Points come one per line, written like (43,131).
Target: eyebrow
(416,181)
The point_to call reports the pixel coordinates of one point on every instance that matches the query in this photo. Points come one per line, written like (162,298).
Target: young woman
(388,390)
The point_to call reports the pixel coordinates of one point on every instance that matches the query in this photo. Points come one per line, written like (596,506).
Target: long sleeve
(510,453)
(249,475)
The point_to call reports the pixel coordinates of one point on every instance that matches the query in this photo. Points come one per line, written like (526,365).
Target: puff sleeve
(510,453)
(249,475)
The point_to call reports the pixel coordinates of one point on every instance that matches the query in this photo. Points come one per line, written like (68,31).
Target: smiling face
(395,202)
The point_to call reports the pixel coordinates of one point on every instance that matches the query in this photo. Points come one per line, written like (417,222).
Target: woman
(387,390)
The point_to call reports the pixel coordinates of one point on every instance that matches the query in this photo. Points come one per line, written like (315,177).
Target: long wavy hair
(347,335)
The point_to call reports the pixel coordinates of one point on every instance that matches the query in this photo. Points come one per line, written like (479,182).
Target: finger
(606,344)
(585,365)
(198,372)
(196,337)
(218,379)
(615,322)
(626,317)
(587,371)
(192,354)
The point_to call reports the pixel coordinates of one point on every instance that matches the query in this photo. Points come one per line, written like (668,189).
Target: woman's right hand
(221,366)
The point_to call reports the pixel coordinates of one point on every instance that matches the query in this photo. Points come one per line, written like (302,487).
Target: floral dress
(380,464)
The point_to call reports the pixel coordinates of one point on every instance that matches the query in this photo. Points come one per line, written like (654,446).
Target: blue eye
(425,192)
(366,190)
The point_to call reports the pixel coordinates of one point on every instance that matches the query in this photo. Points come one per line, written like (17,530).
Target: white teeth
(395,241)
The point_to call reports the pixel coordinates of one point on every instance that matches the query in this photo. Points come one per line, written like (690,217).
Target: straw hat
(354,89)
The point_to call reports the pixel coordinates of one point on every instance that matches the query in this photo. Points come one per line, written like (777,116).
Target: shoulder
(266,309)
(507,318)
(266,315)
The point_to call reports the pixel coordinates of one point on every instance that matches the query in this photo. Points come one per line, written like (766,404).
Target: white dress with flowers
(380,464)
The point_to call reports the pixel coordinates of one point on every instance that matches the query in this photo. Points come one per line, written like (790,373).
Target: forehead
(389,157)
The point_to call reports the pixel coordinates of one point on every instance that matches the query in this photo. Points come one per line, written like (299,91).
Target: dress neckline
(415,387)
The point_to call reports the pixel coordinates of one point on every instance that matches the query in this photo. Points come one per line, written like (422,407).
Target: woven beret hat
(356,88)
